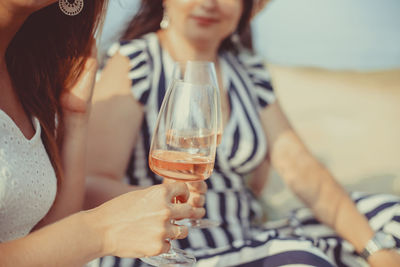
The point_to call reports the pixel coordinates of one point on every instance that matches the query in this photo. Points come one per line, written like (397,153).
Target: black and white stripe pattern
(243,147)
(298,240)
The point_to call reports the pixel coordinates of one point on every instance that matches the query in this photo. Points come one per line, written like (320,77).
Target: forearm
(68,242)
(317,188)
(335,208)
(70,194)
(100,189)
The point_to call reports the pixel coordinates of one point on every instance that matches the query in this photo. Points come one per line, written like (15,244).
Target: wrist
(381,241)
(95,232)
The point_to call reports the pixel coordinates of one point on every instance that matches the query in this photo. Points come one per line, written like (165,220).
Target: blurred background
(332,34)
(335,66)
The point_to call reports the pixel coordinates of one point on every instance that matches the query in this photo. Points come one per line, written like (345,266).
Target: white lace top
(28,183)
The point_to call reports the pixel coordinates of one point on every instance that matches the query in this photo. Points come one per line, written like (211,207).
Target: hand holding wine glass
(137,223)
(183,144)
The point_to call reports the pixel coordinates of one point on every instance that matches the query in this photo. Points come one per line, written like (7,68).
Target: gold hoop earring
(71,7)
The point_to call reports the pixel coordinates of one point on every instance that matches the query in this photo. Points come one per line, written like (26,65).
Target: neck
(182,49)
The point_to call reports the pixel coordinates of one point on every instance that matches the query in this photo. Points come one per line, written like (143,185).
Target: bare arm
(68,242)
(102,188)
(76,106)
(311,181)
(114,123)
(135,224)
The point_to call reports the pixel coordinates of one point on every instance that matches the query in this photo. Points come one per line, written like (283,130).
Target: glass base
(199,223)
(174,258)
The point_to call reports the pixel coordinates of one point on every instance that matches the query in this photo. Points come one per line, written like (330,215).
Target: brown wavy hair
(45,58)
(150,15)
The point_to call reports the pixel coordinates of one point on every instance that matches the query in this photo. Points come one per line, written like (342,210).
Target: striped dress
(239,240)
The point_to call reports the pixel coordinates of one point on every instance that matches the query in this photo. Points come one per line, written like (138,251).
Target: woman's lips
(204,21)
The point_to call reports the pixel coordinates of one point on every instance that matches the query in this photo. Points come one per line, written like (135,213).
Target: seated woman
(130,91)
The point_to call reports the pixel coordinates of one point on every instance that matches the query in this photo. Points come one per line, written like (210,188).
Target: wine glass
(201,73)
(183,144)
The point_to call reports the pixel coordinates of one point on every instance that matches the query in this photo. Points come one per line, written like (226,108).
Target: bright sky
(338,34)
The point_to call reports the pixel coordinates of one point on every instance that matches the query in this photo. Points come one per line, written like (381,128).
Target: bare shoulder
(113,78)
(117,63)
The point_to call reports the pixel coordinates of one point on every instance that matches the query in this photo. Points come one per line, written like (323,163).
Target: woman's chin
(204,40)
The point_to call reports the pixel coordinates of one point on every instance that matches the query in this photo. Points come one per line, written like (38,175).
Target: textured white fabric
(28,183)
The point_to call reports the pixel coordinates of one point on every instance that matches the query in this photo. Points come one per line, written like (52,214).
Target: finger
(178,190)
(197,200)
(198,213)
(181,211)
(177,231)
(200,187)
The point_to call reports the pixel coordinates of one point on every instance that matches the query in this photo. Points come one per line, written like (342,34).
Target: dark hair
(45,58)
(150,15)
